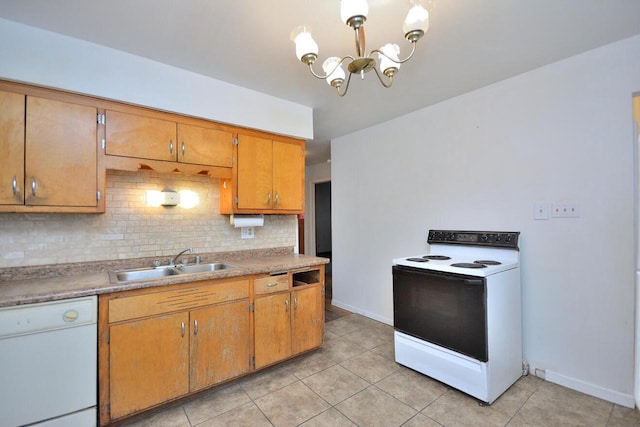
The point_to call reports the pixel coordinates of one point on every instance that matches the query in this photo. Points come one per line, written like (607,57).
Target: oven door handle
(465,281)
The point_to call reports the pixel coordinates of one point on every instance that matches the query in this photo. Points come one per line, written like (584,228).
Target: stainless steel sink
(159,272)
(202,268)
(145,273)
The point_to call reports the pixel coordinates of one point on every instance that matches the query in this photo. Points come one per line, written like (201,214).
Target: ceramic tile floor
(353,381)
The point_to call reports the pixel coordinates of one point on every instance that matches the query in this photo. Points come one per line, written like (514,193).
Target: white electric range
(457,311)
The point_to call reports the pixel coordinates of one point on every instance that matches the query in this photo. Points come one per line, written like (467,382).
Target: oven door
(445,309)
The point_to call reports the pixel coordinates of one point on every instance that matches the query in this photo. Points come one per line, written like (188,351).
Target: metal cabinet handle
(34,186)
(272,284)
(277,198)
(14,185)
(269,197)
(171,146)
(286,305)
(183,148)
(295,303)
(195,327)
(182,330)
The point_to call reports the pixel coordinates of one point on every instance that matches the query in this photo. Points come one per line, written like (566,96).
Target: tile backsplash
(130,229)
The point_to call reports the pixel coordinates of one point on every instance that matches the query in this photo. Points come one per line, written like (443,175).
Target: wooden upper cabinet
(130,135)
(153,138)
(288,176)
(204,146)
(60,154)
(255,178)
(12,107)
(269,177)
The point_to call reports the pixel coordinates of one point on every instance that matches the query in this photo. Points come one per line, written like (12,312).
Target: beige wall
(129,229)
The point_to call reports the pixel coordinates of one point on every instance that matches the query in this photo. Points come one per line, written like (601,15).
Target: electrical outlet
(541,210)
(247,232)
(565,210)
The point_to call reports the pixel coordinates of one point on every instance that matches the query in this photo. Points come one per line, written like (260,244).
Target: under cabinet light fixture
(186,199)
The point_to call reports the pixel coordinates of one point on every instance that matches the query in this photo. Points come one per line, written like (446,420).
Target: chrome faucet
(175,258)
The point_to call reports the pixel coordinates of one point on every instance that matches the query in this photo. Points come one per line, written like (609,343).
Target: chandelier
(354,14)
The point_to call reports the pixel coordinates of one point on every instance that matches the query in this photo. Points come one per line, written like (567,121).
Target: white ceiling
(470,44)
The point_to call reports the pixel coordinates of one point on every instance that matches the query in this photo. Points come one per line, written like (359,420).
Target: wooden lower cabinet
(157,345)
(149,363)
(287,324)
(307,323)
(220,347)
(272,329)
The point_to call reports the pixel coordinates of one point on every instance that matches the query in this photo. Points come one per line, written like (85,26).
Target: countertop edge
(38,290)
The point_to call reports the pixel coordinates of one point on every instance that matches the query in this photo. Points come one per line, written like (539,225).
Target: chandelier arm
(334,68)
(346,87)
(385,84)
(400,61)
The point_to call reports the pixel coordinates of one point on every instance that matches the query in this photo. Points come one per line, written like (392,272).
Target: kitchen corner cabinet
(51,158)
(289,320)
(158,138)
(159,345)
(268,176)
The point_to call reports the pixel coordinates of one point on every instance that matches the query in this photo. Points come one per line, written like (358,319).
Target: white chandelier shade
(354,14)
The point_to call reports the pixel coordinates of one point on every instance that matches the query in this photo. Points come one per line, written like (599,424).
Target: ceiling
(470,44)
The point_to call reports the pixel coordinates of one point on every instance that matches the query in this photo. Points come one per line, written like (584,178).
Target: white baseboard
(626,400)
(365,313)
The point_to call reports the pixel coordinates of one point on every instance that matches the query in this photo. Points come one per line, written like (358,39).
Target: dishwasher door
(48,363)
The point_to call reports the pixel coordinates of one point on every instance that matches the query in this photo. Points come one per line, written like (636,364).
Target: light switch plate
(541,210)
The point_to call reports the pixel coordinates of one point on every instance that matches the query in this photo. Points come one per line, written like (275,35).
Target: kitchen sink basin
(202,268)
(159,272)
(145,273)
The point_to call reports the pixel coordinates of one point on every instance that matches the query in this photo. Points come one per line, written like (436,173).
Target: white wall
(480,161)
(44,58)
(313,174)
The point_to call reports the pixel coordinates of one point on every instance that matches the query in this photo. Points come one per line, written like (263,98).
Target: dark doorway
(323,219)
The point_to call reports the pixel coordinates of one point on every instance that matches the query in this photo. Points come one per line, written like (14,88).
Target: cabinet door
(288,176)
(12,148)
(149,362)
(255,164)
(272,329)
(308,319)
(60,154)
(204,146)
(129,135)
(220,347)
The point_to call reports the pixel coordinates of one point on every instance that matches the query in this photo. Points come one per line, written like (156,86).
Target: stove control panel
(498,239)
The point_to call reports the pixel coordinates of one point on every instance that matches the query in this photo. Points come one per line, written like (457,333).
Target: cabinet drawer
(150,304)
(267,284)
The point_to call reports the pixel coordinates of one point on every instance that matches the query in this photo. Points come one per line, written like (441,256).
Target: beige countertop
(50,283)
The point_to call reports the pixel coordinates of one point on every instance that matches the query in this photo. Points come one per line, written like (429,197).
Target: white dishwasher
(48,364)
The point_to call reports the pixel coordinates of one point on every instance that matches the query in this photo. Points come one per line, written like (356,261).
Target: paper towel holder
(246,220)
